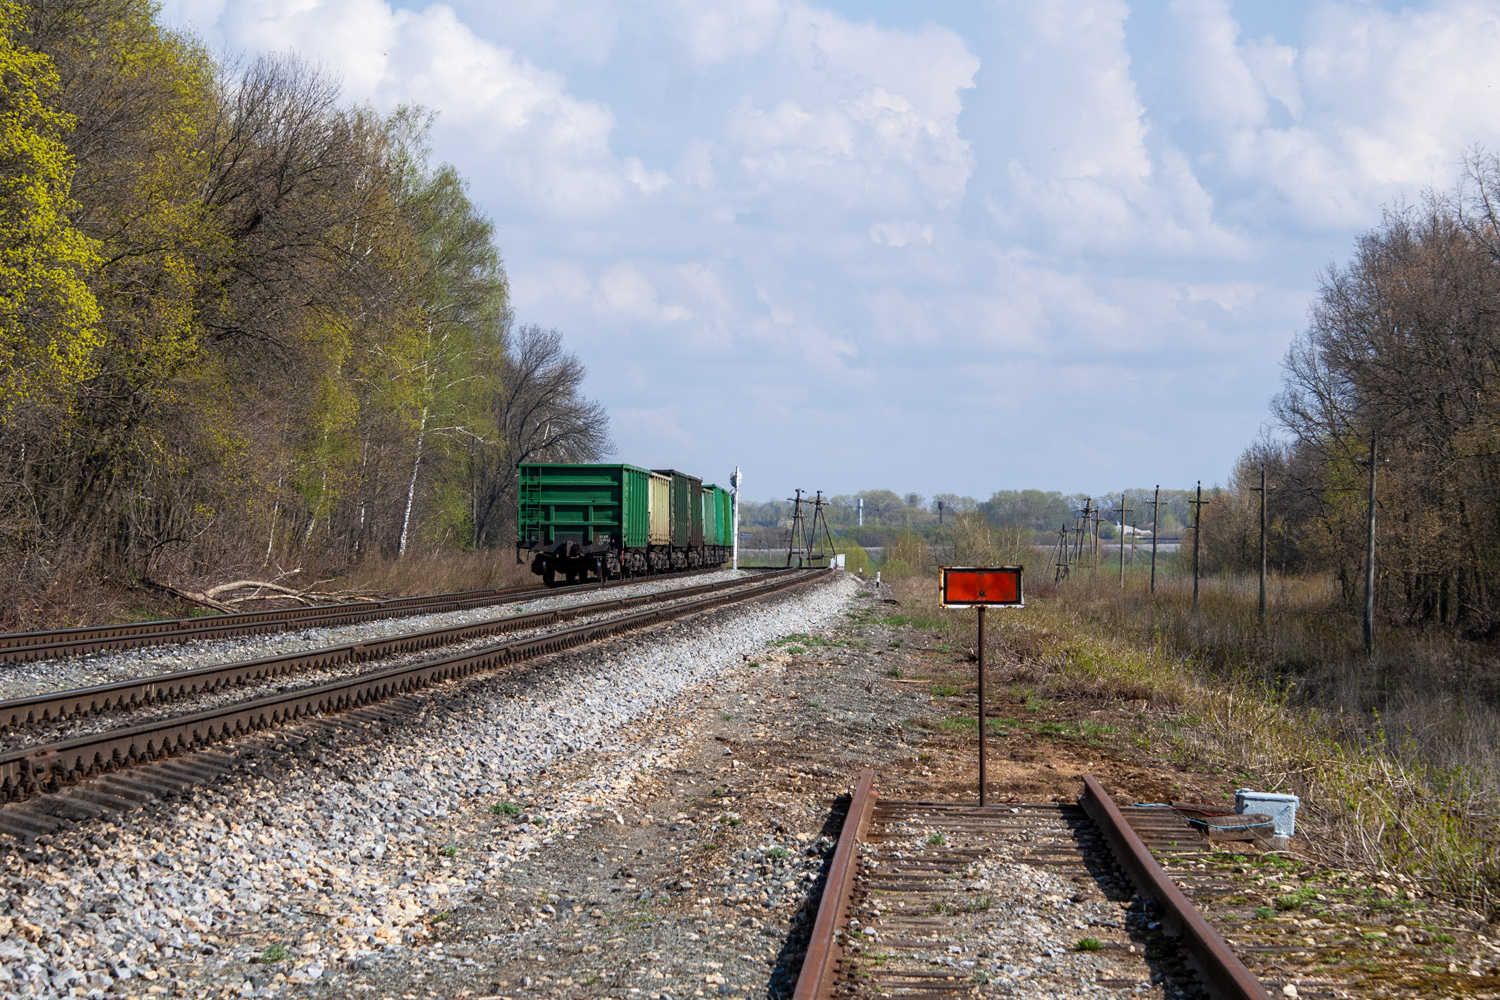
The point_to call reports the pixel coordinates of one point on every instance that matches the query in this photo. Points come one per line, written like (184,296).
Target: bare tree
(542,416)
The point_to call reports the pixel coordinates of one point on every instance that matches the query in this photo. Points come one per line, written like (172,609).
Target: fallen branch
(224,588)
(203,600)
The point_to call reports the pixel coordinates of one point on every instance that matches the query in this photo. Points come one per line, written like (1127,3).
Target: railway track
(57,783)
(933,901)
(19,713)
(31,646)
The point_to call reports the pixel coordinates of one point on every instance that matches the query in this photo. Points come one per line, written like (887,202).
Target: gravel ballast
(21,680)
(334,865)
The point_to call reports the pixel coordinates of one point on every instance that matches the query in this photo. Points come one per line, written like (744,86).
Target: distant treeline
(243,322)
(1403,348)
(1037,511)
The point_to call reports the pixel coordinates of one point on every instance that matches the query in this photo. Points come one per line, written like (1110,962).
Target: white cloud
(719,30)
(1382,102)
(624,290)
(649,181)
(899,234)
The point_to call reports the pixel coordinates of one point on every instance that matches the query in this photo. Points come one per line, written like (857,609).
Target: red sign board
(972,587)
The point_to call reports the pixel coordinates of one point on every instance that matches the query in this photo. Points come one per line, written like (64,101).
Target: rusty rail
(38,769)
(823,948)
(1220,969)
(122,695)
(30,646)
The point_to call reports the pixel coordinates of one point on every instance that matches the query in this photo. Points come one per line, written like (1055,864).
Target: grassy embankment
(1395,757)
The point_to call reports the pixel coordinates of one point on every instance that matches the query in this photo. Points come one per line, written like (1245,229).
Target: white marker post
(734,499)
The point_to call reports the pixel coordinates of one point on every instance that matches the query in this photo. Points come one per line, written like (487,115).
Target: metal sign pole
(983,776)
(976,587)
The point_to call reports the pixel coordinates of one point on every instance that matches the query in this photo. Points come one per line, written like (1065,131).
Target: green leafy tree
(49,319)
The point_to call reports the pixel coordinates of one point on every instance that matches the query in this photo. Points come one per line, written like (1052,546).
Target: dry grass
(1395,758)
(439,573)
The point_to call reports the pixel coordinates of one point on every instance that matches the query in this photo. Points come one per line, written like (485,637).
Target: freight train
(614,521)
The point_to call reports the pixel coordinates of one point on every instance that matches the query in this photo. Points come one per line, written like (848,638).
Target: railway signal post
(973,587)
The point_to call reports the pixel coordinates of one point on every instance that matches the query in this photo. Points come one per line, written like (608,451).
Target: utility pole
(1370,561)
(819,518)
(1123,511)
(1083,526)
(798,528)
(1262,491)
(1062,554)
(1197,536)
(1155,508)
(1094,566)
(861,512)
(734,496)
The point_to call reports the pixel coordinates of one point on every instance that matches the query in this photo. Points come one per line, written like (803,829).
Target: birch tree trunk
(411,486)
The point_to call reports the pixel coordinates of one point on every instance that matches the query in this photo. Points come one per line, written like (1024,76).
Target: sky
(938,247)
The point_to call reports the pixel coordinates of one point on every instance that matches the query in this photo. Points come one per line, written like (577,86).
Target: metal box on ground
(1281,808)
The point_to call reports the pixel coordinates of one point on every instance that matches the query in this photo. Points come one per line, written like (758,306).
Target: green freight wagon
(718,526)
(710,507)
(726,519)
(687,520)
(582,519)
(726,522)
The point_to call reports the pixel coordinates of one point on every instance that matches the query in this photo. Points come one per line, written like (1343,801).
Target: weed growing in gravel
(1264,913)
(815,704)
(1087,944)
(793,650)
(440,918)
(937,839)
(980,903)
(508,808)
(449,851)
(945,690)
(726,716)
(895,643)
(273,954)
(893,672)
(1294,901)
(777,853)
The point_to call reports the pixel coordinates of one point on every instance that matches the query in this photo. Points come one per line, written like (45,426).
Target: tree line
(244,323)
(1038,512)
(1403,351)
